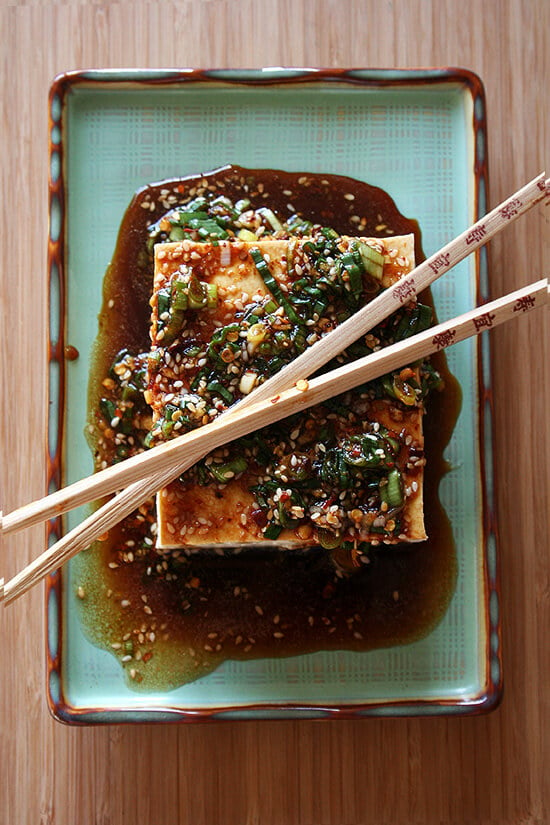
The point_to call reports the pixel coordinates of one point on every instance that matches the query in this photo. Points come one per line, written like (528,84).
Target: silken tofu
(227,315)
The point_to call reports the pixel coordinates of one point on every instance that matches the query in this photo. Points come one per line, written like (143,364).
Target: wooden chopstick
(166,462)
(113,478)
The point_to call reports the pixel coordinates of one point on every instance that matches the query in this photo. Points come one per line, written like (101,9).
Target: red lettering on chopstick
(485,320)
(404,291)
(441,261)
(524,304)
(444,339)
(511,209)
(477,234)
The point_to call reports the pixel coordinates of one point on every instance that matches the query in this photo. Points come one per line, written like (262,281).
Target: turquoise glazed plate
(421,136)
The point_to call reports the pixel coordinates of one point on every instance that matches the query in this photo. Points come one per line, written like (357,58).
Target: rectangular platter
(418,134)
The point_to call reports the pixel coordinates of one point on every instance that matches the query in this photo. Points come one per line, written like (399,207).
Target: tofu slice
(226,513)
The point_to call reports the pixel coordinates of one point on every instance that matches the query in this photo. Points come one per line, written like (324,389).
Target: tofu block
(234,320)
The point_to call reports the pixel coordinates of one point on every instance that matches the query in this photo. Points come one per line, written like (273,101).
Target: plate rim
(63,85)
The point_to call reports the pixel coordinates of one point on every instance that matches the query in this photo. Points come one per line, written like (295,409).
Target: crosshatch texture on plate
(420,136)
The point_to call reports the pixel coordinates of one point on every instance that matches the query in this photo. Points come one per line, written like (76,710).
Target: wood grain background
(478,770)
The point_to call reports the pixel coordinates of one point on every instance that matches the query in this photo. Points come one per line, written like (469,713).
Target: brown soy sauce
(173,618)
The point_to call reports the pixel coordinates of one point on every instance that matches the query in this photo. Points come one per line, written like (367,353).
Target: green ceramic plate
(420,135)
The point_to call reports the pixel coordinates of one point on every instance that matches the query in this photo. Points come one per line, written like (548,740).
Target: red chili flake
(259,517)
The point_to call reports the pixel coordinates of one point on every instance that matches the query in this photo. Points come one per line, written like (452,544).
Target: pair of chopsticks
(286,393)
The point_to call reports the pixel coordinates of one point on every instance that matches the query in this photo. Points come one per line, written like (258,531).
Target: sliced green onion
(246,235)
(354,268)
(328,539)
(163,301)
(392,492)
(242,205)
(404,392)
(219,389)
(364,451)
(248,381)
(399,389)
(299,226)
(211,296)
(223,200)
(344,476)
(200,202)
(177,233)
(373,261)
(271,218)
(178,296)
(431,379)
(228,335)
(349,263)
(272,285)
(196,291)
(225,472)
(416,320)
(285,517)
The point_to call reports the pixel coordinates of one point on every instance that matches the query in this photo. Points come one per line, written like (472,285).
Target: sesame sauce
(170,616)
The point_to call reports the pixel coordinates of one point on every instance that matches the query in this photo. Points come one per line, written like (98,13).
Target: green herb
(272,531)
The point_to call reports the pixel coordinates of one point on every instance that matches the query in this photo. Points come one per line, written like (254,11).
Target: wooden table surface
(462,770)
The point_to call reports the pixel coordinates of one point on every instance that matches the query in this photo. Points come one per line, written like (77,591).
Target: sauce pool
(171,618)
